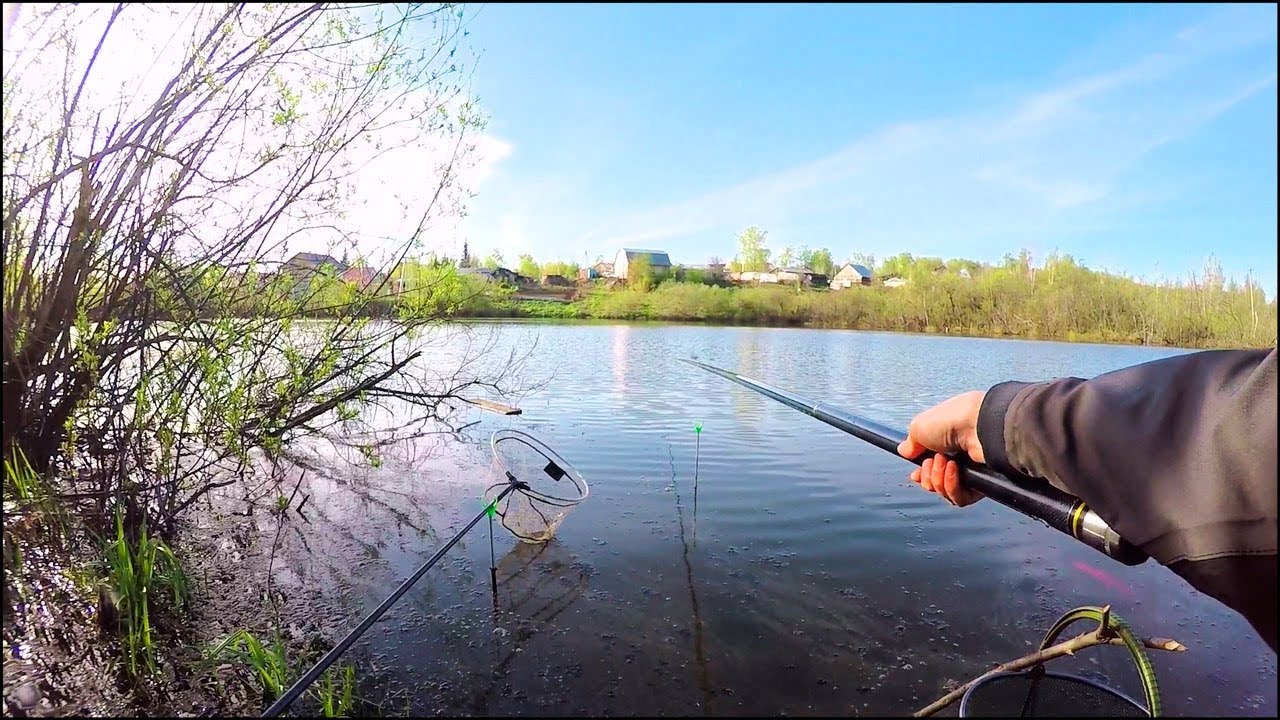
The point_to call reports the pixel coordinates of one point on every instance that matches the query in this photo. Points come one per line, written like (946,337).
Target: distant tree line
(1058,299)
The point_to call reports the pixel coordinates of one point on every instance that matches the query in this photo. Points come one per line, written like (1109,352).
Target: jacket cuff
(991,416)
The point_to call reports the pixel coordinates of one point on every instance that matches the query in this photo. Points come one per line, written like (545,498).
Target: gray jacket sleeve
(1178,455)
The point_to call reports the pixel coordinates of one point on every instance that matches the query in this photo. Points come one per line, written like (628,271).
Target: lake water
(801,574)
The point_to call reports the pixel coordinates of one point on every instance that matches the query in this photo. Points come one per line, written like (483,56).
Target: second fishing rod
(1030,496)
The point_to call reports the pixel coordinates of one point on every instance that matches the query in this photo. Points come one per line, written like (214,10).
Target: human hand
(948,427)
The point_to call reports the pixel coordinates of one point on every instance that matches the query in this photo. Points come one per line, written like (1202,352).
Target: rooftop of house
(656,257)
(306,259)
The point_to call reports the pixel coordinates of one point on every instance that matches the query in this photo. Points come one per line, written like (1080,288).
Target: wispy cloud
(1050,160)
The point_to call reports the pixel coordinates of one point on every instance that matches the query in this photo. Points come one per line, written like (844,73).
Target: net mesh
(549,487)
(1051,695)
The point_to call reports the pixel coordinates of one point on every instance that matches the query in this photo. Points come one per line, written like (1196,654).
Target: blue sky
(1137,138)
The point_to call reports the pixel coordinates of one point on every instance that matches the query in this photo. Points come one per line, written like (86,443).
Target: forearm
(1178,455)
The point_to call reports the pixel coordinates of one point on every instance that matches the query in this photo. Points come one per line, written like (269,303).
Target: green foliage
(640,274)
(493,260)
(528,267)
(626,304)
(137,572)
(819,261)
(426,289)
(33,511)
(268,662)
(899,265)
(22,484)
(335,691)
(697,276)
(564,269)
(337,697)
(753,254)
(545,309)
(160,361)
(787,258)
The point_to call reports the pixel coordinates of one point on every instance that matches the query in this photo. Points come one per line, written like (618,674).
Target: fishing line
(697,454)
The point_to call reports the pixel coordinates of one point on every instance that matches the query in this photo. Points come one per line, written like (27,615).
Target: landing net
(548,488)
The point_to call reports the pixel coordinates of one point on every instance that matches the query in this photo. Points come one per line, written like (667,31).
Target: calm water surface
(799,573)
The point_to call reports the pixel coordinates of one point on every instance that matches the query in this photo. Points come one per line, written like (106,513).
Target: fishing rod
(318,669)
(1030,496)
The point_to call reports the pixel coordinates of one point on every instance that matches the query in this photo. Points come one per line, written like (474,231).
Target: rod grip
(1046,503)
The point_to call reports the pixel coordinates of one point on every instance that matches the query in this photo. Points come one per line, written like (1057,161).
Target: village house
(755,276)
(800,275)
(658,261)
(501,275)
(362,276)
(851,274)
(302,266)
(784,275)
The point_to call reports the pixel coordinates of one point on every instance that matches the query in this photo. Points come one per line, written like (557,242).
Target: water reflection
(619,346)
(536,583)
(687,540)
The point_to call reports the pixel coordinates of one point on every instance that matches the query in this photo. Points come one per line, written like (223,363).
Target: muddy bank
(257,566)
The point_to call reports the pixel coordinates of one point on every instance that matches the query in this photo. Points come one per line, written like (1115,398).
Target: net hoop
(578,482)
(1087,684)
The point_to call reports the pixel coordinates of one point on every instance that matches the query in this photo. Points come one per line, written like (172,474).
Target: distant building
(894,282)
(362,276)
(851,274)
(787,275)
(603,269)
(755,276)
(502,275)
(658,260)
(556,281)
(801,275)
(302,266)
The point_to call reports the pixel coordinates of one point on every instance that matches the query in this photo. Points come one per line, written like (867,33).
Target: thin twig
(1067,647)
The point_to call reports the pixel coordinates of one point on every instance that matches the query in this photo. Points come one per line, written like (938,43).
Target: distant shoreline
(503,320)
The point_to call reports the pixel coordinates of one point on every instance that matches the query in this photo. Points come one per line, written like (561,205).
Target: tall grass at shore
(138,573)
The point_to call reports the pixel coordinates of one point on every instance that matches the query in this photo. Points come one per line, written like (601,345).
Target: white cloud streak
(1052,160)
